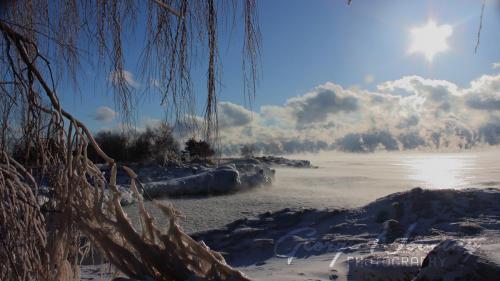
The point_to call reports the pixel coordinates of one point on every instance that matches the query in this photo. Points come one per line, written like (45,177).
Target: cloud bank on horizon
(408,113)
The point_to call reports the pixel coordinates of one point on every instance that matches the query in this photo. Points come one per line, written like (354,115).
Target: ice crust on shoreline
(411,222)
(402,236)
(196,179)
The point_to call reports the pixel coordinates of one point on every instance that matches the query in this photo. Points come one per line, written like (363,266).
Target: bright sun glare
(430,39)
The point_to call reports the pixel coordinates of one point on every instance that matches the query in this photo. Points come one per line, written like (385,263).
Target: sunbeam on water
(440,171)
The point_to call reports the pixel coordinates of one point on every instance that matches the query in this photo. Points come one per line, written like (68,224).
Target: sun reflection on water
(440,171)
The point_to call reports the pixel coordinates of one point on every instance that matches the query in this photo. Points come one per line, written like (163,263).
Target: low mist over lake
(344,180)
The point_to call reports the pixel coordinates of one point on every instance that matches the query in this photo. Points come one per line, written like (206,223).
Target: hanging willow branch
(177,34)
(79,202)
(57,194)
(168,8)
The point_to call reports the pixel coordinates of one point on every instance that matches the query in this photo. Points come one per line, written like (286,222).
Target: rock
(469,228)
(381,216)
(392,230)
(450,261)
(222,179)
(130,279)
(397,210)
(280,161)
(191,179)
(304,230)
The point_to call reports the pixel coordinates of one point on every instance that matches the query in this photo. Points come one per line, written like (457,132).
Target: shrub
(26,152)
(201,149)
(155,144)
(112,143)
(247,151)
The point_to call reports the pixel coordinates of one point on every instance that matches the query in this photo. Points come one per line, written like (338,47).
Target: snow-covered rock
(284,162)
(192,179)
(222,179)
(451,261)
(417,216)
(388,239)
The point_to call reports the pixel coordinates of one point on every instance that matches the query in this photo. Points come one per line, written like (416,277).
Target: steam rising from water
(408,113)
(344,180)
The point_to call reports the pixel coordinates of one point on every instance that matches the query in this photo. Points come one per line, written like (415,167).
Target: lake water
(343,180)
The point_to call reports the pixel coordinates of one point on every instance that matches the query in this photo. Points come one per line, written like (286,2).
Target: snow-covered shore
(388,239)
(284,162)
(194,179)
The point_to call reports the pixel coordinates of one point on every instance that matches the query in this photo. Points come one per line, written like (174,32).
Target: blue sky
(309,43)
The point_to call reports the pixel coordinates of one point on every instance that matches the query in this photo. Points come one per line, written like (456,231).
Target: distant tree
(115,144)
(200,148)
(164,141)
(154,144)
(247,151)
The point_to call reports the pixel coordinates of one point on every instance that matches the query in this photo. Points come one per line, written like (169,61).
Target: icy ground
(350,181)
(388,239)
(407,225)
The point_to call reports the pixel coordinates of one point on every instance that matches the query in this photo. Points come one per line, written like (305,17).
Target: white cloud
(496,65)
(484,93)
(114,77)
(104,114)
(416,85)
(317,105)
(233,115)
(151,122)
(405,113)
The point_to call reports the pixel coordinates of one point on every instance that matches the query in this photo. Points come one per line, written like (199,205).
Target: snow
(194,179)
(217,180)
(420,220)
(352,244)
(386,239)
(452,261)
(284,162)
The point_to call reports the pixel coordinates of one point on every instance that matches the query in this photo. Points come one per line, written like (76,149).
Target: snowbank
(284,162)
(196,179)
(452,261)
(416,220)
(217,180)
(415,235)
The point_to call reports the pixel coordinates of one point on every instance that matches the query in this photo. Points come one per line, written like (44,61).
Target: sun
(430,39)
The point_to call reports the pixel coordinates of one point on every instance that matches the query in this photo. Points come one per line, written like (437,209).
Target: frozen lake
(343,180)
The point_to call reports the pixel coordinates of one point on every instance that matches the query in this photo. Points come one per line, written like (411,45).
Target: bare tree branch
(168,8)
(480,26)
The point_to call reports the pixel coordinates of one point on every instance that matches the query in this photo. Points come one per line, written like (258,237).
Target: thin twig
(480,26)
(168,8)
